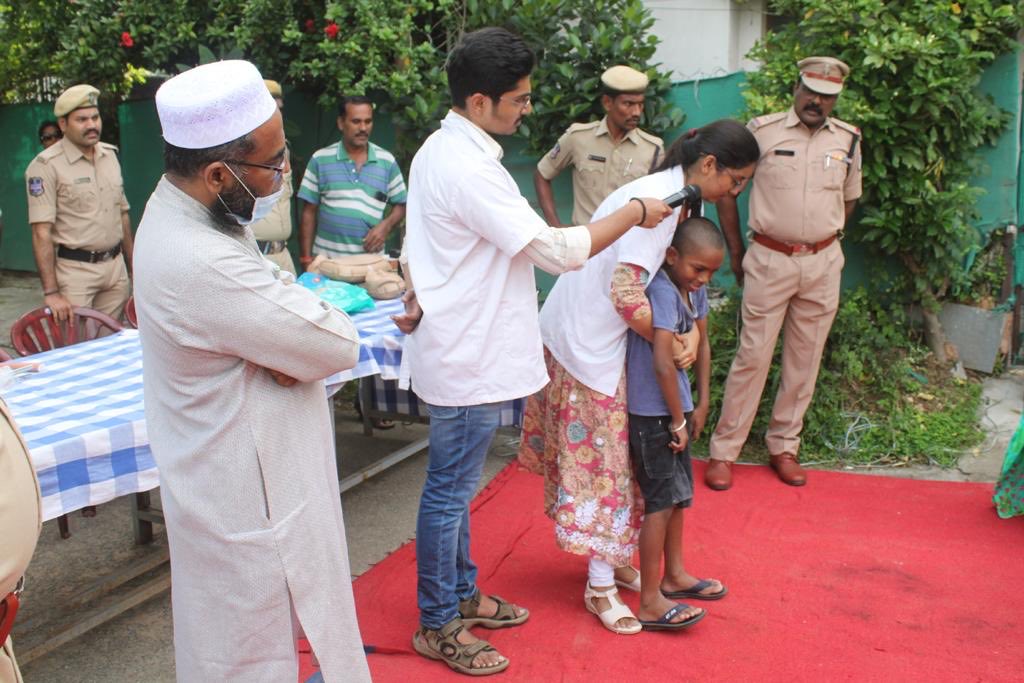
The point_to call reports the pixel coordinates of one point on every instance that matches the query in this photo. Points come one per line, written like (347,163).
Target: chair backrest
(129,312)
(37,331)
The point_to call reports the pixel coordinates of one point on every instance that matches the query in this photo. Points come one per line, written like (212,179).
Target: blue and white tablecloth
(84,419)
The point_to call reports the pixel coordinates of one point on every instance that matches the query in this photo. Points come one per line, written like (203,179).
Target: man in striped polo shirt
(347,188)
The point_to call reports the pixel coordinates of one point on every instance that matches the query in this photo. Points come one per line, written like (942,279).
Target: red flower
(331,30)
(126,40)
(310,26)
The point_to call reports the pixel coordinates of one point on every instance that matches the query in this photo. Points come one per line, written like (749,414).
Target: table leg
(365,403)
(142,523)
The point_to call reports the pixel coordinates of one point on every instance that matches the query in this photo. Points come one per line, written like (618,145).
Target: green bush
(880,398)
(391,51)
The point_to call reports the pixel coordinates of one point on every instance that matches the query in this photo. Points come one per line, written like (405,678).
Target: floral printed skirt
(578,439)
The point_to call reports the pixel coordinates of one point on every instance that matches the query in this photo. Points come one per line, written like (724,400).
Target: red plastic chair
(129,312)
(37,331)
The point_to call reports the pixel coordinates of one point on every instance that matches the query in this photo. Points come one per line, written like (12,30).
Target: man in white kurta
(250,499)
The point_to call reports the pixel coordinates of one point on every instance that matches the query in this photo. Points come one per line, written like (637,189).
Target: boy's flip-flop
(694,592)
(665,623)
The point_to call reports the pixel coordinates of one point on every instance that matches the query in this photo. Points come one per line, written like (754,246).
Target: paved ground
(379,514)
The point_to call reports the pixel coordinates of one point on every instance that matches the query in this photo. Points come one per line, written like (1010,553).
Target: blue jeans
(459,439)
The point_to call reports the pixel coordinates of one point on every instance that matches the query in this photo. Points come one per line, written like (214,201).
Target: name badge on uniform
(595,157)
(838,157)
(83,181)
(35,186)
(785,153)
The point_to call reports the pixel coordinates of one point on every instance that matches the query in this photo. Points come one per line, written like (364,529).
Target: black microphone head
(690,193)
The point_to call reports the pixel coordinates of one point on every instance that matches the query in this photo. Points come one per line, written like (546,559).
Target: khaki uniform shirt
(83,198)
(600,165)
(804,177)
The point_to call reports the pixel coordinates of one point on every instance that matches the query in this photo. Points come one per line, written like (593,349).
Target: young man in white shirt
(472,242)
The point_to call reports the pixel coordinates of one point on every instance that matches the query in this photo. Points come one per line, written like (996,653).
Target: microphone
(690,193)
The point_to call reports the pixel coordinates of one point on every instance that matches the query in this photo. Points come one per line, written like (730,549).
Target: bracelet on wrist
(676,430)
(48,292)
(643,207)
(305,260)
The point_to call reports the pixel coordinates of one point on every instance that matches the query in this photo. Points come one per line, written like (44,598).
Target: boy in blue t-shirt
(659,400)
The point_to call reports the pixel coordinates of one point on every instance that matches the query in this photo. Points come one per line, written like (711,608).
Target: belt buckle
(801,249)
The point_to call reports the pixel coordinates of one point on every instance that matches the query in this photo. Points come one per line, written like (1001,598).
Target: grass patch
(881,398)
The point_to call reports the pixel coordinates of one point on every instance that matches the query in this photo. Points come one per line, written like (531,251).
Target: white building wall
(706,38)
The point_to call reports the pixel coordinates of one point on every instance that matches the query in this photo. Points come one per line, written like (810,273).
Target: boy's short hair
(697,232)
(489,61)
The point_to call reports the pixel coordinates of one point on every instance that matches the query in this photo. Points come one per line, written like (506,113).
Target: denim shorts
(664,476)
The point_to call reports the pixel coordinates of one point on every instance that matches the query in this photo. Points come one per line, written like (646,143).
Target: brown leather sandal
(506,615)
(443,645)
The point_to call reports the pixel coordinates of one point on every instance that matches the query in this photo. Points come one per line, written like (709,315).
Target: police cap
(624,79)
(823,75)
(75,97)
(274,87)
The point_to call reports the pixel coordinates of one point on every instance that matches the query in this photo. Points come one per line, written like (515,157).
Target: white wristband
(679,428)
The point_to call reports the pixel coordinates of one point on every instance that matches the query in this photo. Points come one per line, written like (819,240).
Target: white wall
(705,38)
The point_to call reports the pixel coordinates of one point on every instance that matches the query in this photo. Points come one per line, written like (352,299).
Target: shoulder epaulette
(760,121)
(848,127)
(653,139)
(50,152)
(576,127)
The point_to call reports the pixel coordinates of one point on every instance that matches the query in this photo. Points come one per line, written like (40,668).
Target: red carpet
(851,577)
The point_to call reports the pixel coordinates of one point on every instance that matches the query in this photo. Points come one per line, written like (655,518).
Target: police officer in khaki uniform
(81,233)
(605,154)
(272,233)
(21,516)
(807,185)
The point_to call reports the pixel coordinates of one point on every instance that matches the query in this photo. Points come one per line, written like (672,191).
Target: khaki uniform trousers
(802,293)
(19,524)
(101,286)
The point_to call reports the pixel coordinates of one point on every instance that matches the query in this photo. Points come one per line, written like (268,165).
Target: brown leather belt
(87,256)
(797,249)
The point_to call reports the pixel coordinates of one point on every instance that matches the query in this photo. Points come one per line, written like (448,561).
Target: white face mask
(260,209)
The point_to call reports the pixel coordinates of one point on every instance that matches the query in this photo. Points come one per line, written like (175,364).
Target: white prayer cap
(213,104)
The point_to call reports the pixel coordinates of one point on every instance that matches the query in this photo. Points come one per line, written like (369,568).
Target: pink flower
(331,30)
(126,40)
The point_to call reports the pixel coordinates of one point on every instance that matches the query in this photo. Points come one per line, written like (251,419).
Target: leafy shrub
(880,398)
(391,51)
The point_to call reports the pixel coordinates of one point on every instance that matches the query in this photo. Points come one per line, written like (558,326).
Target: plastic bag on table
(342,295)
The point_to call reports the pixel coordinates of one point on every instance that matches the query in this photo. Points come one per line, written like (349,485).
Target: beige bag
(352,268)
(384,284)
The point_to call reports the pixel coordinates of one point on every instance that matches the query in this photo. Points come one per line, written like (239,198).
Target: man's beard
(237,201)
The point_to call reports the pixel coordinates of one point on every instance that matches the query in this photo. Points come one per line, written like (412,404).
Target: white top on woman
(578,323)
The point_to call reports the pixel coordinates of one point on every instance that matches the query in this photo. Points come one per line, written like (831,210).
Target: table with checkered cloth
(84,420)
